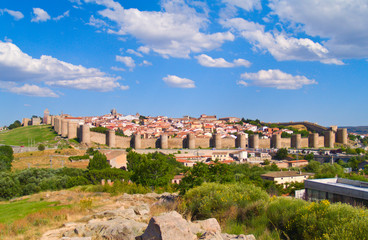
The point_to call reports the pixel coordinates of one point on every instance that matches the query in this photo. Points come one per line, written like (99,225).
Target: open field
(12,211)
(41,159)
(21,136)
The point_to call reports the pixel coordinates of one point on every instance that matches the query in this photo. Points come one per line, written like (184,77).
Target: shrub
(213,199)
(41,147)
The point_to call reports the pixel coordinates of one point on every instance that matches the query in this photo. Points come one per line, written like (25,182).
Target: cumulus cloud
(33,90)
(275,78)
(15,14)
(177,82)
(17,67)
(40,15)
(342,23)
(65,14)
(208,61)
(279,45)
(176,31)
(128,61)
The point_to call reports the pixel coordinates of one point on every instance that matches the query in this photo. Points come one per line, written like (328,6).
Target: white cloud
(124,87)
(99,23)
(15,14)
(144,49)
(128,61)
(40,15)
(131,51)
(17,67)
(176,31)
(208,61)
(65,14)
(177,82)
(247,5)
(275,78)
(279,45)
(117,69)
(33,90)
(341,23)
(145,63)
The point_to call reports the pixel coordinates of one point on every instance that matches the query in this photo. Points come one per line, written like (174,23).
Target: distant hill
(358,130)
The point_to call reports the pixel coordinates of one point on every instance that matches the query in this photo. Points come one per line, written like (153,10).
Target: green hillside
(21,136)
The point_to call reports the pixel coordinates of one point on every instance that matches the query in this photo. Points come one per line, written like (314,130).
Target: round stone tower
(218,141)
(86,134)
(164,141)
(329,139)
(254,141)
(296,141)
(137,141)
(72,129)
(242,140)
(191,140)
(342,136)
(313,140)
(276,141)
(64,127)
(110,138)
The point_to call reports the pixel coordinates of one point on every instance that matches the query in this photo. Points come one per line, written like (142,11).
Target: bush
(98,162)
(213,199)
(298,219)
(41,147)
(76,158)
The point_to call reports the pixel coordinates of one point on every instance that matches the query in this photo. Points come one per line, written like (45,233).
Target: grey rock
(168,226)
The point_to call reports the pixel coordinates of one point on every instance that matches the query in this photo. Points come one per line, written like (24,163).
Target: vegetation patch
(22,136)
(9,212)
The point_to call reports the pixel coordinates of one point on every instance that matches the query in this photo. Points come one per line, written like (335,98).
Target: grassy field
(41,159)
(22,135)
(17,210)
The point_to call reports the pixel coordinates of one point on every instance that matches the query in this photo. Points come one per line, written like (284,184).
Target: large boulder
(168,226)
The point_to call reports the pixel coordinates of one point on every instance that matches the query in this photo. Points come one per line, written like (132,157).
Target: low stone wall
(304,143)
(228,142)
(175,142)
(149,143)
(122,142)
(264,143)
(98,137)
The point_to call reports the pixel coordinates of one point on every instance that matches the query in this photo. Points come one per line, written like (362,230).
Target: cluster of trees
(6,158)
(104,130)
(15,124)
(153,169)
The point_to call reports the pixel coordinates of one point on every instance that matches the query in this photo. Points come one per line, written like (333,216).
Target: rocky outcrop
(168,226)
(172,225)
(127,220)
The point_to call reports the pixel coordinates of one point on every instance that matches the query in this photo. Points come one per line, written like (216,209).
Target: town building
(337,190)
(283,177)
(116,159)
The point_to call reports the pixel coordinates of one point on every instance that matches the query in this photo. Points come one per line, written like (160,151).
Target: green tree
(41,147)
(282,153)
(98,162)
(309,157)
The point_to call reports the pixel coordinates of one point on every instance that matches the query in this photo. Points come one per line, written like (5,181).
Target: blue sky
(277,60)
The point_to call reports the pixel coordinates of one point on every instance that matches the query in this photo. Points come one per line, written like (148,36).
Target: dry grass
(77,204)
(41,159)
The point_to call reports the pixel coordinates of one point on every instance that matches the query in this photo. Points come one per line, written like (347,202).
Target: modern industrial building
(337,190)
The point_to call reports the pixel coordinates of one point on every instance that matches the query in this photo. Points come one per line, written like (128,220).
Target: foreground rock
(127,220)
(172,225)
